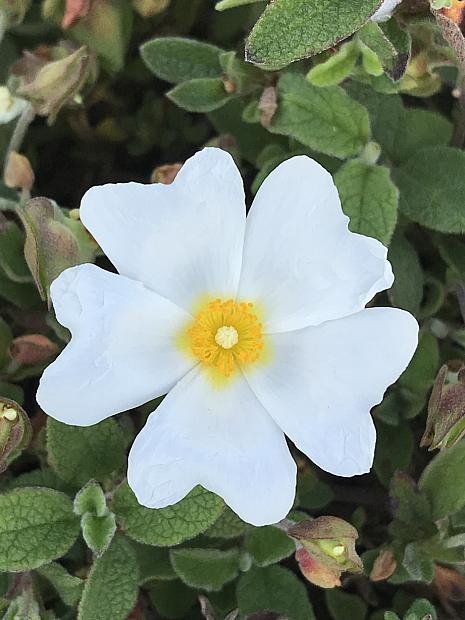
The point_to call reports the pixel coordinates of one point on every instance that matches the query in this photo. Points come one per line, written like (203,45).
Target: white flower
(10,106)
(306,360)
(385,10)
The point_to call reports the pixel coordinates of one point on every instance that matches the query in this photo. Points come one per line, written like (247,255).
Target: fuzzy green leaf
(275,589)
(290,30)
(68,587)
(325,119)
(79,454)
(432,185)
(268,545)
(112,585)
(200,95)
(153,563)
(443,481)
(91,499)
(37,525)
(369,198)
(407,290)
(98,531)
(208,569)
(172,599)
(345,606)
(229,525)
(166,526)
(177,60)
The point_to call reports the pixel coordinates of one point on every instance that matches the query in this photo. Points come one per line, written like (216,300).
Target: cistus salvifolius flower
(256,329)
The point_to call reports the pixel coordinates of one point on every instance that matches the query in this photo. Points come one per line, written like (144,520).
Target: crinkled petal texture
(322,382)
(222,439)
(385,10)
(300,262)
(122,352)
(183,240)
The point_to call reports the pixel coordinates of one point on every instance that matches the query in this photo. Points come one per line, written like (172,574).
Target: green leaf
(418,563)
(325,119)
(222,5)
(68,587)
(432,183)
(312,493)
(112,585)
(420,609)
(12,252)
(275,589)
(91,499)
(200,95)
(98,531)
(336,68)
(228,525)
(153,563)
(208,569)
(345,606)
(37,525)
(290,30)
(172,599)
(79,454)
(410,508)
(394,450)
(177,60)
(268,545)
(369,198)
(407,290)
(390,43)
(443,481)
(166,526)
(422,370)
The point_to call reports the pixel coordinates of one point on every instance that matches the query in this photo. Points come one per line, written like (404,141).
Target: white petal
(10,106)
(300,261)
(385,10)
(322,382)
(123,351)
(221,438)
(182,240)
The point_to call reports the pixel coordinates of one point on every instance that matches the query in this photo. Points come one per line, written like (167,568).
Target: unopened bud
(74,11)
(384,566)
(15,10)
(445,425)
(32,349)
(165,174)
(18,172)
(149,8)
(10,106)
(55,84)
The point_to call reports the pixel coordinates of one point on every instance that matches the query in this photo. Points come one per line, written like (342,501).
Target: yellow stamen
(226,333)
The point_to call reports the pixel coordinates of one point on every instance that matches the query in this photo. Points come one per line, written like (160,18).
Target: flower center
(227,336)
(226,333)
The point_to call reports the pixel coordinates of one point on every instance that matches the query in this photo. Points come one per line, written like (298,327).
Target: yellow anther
(226,333)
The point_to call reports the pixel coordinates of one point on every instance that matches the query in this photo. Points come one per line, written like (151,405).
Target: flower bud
(149,8)
(165,174)
(51,85)
(10,106)
(15,431)
(15,10)
(32,349)
(445,425)
(18,172)
(75,10)
(384,566)
(328,550)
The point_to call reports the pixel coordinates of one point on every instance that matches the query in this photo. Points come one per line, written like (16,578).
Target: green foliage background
(381,106)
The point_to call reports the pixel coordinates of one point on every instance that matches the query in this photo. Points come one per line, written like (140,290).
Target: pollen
(226,334)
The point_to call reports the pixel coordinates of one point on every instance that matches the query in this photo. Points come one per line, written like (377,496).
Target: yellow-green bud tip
(9,413)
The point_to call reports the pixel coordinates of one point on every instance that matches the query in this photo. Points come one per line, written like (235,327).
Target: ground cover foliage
(113,90)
